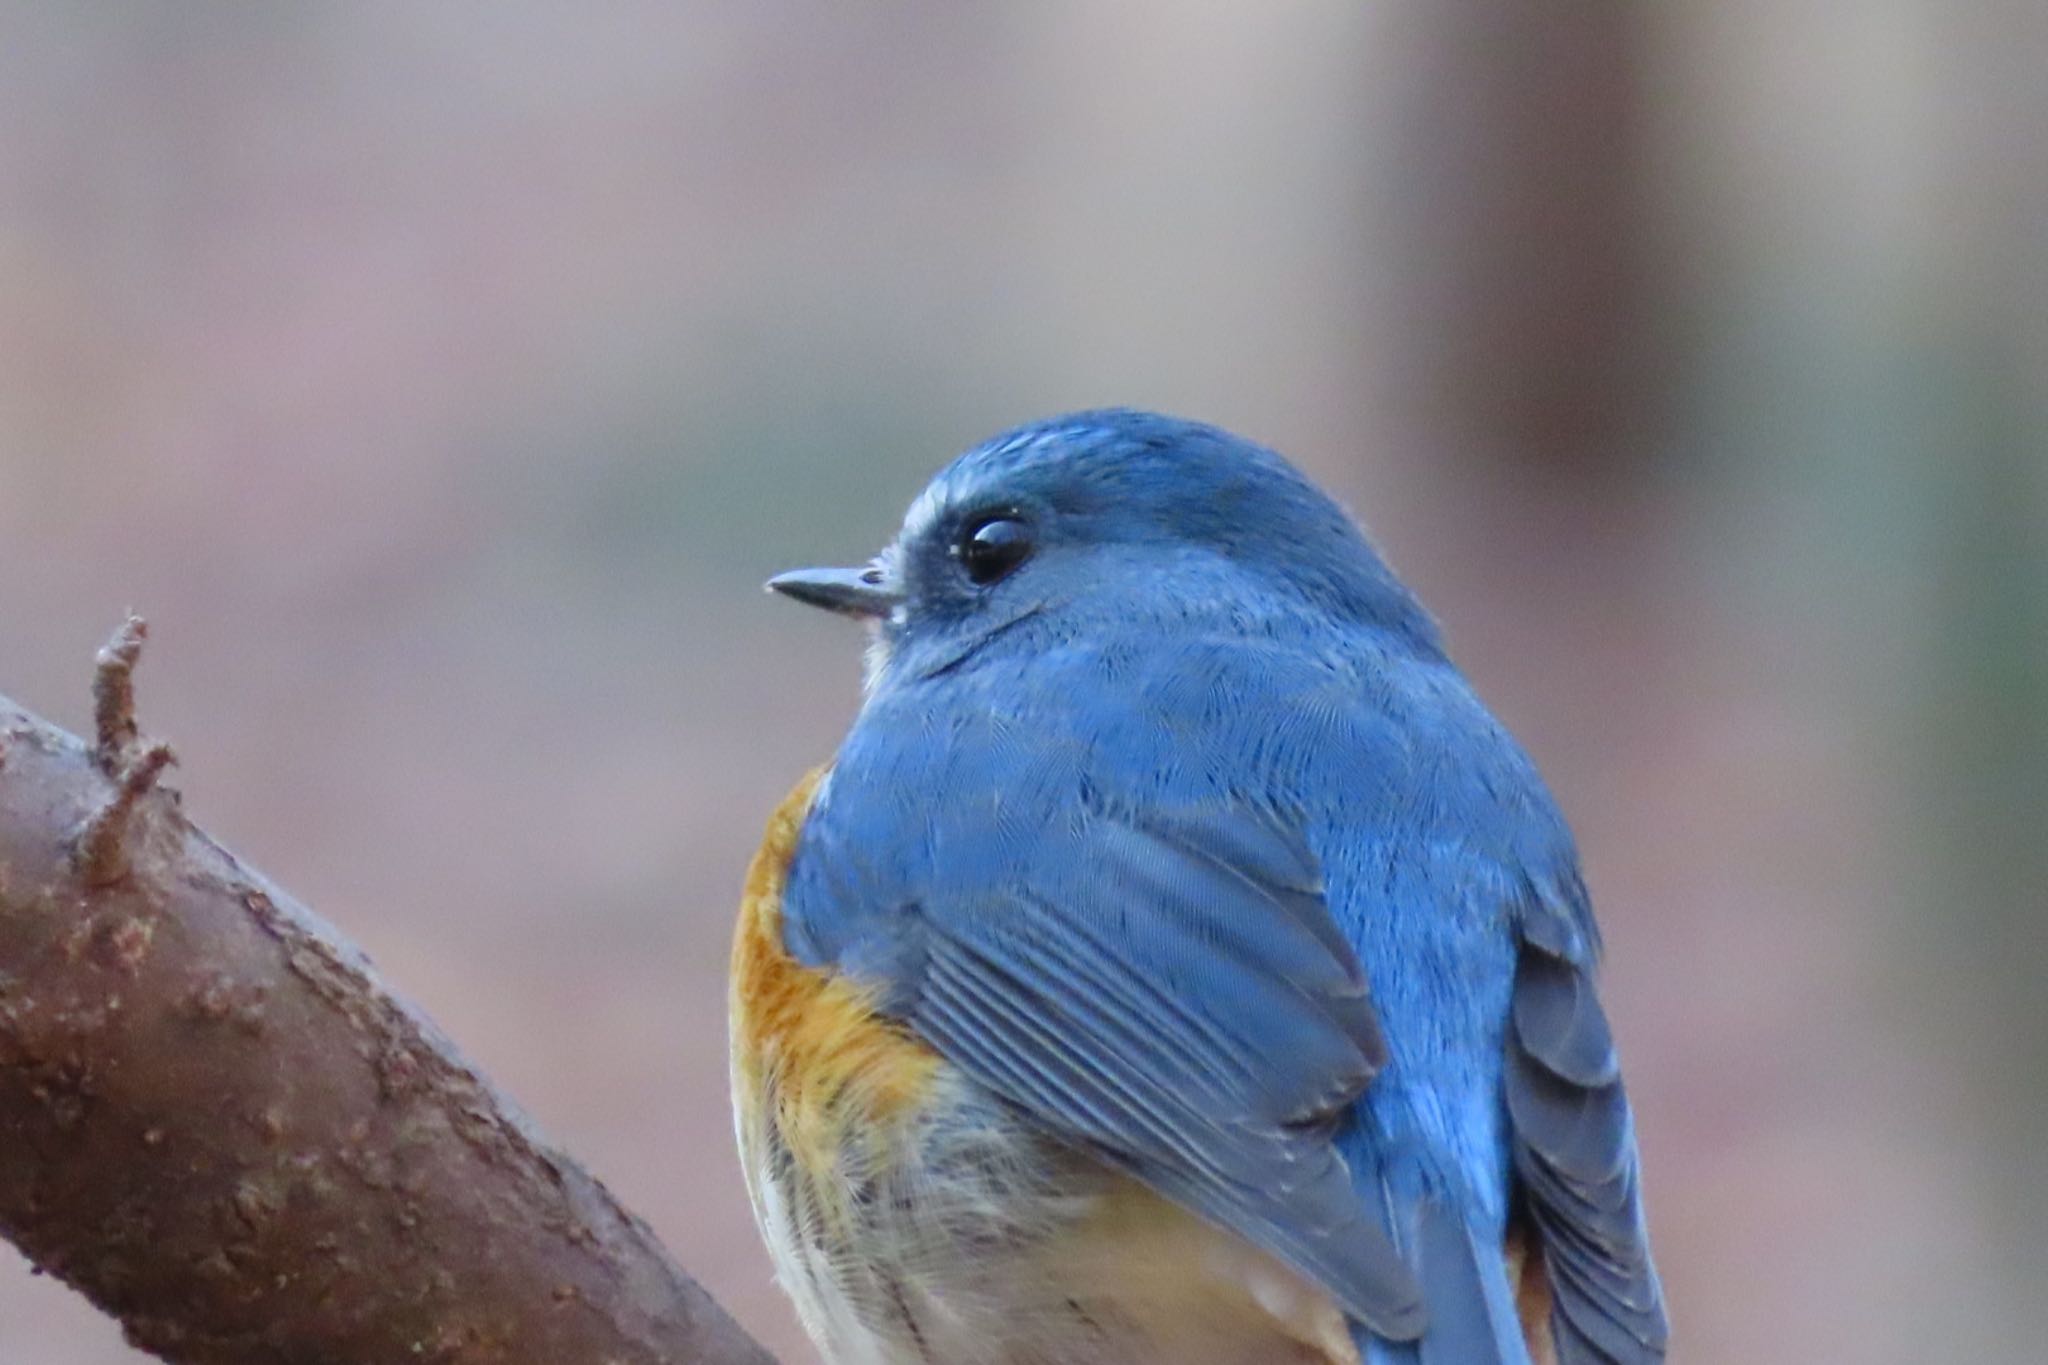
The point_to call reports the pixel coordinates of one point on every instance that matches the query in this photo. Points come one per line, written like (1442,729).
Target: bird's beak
(866,592)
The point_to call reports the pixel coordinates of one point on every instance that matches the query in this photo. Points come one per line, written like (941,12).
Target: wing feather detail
(1574,1145)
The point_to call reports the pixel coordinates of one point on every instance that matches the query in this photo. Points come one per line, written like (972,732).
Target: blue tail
(1464,1279)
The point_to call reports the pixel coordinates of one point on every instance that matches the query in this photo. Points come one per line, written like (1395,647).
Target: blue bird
(1177,963)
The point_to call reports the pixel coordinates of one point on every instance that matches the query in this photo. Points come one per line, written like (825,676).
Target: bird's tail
(1467,1287)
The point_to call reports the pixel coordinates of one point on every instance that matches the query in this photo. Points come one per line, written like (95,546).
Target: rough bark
(218,1125)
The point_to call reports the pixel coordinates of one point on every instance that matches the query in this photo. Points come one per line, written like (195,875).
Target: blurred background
(442,381)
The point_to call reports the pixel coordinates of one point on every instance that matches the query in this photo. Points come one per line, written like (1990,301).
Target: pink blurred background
(442,381)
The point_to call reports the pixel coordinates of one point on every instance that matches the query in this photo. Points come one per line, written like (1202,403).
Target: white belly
(976,1241)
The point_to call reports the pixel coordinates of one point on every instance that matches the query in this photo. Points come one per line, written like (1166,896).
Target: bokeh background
(443,380)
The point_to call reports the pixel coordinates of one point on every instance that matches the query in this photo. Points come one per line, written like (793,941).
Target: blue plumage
(1167,820)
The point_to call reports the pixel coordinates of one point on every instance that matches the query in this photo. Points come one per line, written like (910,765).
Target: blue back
(1196,847)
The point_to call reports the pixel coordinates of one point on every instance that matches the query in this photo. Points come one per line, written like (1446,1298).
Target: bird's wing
(1574,1141)
(1166,990)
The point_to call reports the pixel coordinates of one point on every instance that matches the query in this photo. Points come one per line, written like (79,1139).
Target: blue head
(1117,516)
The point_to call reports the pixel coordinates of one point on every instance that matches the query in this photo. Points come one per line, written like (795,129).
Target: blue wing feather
(1082,987)
(1157,979)
(1133,898)
(1574,1143)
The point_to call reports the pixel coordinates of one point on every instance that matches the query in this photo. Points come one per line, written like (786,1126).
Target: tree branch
(218,1125)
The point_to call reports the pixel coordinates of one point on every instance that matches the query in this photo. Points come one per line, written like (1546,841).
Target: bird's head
(1117,516)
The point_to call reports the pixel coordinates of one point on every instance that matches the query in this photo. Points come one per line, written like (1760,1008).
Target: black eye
(993,547)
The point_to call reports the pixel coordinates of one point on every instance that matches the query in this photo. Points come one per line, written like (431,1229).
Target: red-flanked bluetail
(1177,964)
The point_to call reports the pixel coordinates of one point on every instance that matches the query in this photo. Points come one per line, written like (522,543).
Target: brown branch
(218,1125)
(113,694)
(101,856)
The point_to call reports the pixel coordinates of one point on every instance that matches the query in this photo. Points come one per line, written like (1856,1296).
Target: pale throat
(880,650)
(875,661)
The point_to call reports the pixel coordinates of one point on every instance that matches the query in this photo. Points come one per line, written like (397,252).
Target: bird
(1177,964)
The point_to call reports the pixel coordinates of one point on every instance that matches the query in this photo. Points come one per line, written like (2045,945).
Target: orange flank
(1532,1295)
(811,1056)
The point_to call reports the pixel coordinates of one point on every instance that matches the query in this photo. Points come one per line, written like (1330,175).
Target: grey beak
(850,592)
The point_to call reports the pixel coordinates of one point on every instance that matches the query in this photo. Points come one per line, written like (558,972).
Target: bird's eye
(993,547)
